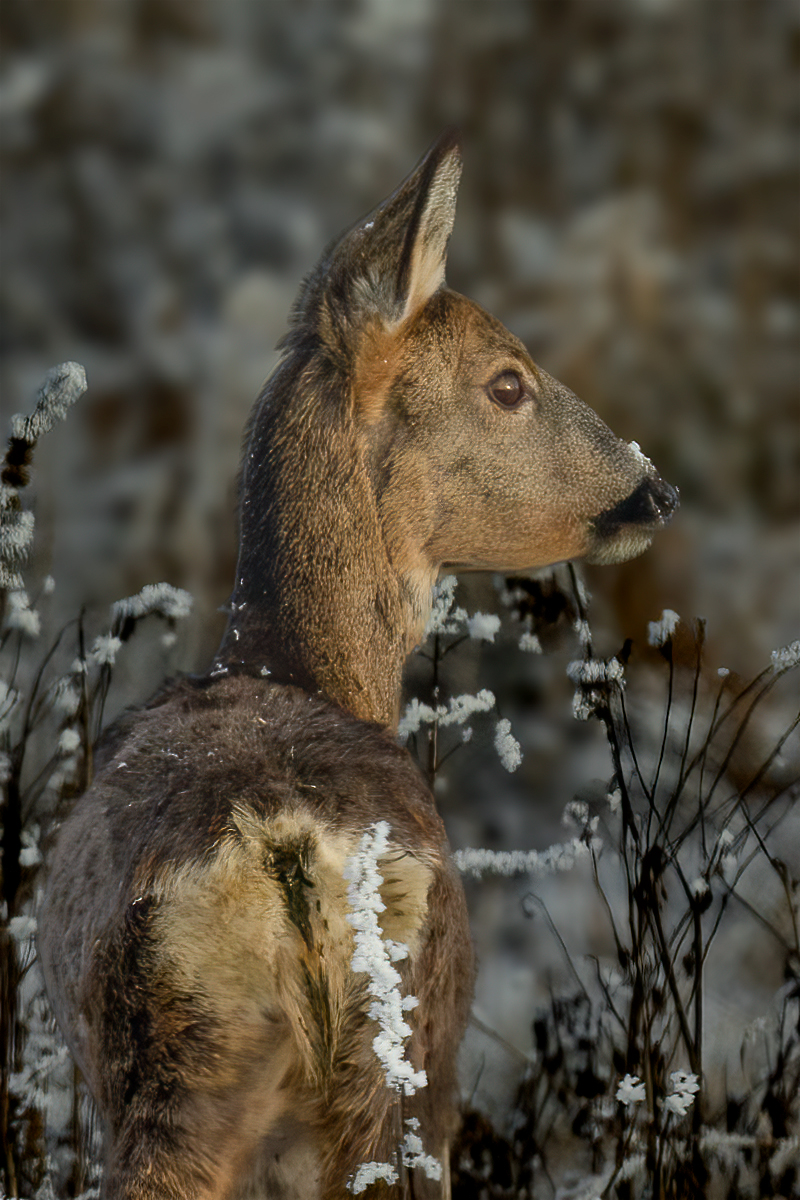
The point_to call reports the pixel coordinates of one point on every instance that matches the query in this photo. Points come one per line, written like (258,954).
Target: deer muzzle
(626,529)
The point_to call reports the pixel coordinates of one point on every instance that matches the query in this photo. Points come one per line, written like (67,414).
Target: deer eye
(507,389)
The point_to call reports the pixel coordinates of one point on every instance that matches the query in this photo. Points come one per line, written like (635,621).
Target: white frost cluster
(61,387)
(160,598)
(456,712)
(369,1173)
(681,1098)
(584,632)
(443,617)
(16,537)
(412,1153)
(576,815)
(104,650)
(660,632)
(483,626)
(787,657)
(639,455)
(531,643)
(65,696)
(631,1090)
(69,741)
(374,955)
(22,928)
(587,671)
(21,616)
(30,855)
(507,745)
(560,857)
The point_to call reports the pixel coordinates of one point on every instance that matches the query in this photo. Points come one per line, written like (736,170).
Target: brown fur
(195,938)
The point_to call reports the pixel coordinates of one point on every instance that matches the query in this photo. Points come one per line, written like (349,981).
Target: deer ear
(432,189)
(392,261)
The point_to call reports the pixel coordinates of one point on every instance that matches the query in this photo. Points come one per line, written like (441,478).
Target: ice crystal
(587,671)
(21,616)
(681,1098)
(16,534)
(413,1152)
(507,745)
(369,1173)
(443,616)
(531,643)
(660,632)
(374,955)
(456,712)
(104,650)
(69,741)
(160,598)
(584,632)
(483,626)
(66,697)
(22,928)
(61,387)
(631,1090)
(787,657)
(559,857)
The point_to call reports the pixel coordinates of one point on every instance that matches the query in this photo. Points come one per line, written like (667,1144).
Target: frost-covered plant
(622,1062)
(448,627)
(49,718)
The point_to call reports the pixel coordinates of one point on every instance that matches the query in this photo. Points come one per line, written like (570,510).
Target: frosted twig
(560,857)
(60,388)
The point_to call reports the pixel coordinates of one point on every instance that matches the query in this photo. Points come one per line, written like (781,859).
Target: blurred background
(629,207)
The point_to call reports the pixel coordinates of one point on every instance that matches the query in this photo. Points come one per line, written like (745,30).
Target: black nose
(652,503)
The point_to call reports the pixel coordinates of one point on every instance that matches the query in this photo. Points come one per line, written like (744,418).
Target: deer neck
(318,601)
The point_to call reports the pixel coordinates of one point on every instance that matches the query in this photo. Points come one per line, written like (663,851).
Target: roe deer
(195,935)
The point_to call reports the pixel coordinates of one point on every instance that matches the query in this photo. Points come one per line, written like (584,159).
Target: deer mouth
(627,529)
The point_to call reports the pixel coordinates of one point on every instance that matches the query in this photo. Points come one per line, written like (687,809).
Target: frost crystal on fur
(660,632)
(369,1173)
(413,1152)
(374,955)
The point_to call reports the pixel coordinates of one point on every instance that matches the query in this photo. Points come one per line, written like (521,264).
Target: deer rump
(203,970)
(194,934)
